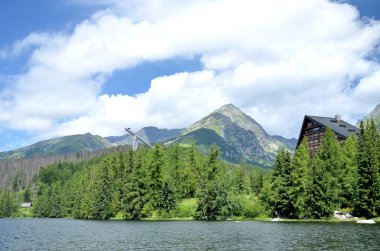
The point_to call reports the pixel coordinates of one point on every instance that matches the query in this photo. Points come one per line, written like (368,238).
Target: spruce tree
(207,206)
(156,185)
(301,178)
(317,203)
(348,176)
(103,199)
(7,205)
(329,157)
(368,187)
(136,190)
(282,182)
(190,174)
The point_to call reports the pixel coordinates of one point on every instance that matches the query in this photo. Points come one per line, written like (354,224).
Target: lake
(67,234)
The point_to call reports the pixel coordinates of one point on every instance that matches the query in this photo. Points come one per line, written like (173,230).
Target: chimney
(338,117)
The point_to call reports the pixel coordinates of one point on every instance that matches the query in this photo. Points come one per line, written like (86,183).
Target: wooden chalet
(314,128)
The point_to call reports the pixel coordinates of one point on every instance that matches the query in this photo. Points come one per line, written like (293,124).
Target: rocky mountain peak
(238,135)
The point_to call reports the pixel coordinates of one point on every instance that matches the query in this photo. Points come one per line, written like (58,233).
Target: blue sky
(76,66)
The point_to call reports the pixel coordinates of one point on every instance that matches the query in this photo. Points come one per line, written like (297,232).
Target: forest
(179,182)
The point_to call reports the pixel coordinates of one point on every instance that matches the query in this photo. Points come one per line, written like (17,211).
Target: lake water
(66,234)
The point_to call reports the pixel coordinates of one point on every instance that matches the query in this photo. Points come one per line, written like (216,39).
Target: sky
(77,66)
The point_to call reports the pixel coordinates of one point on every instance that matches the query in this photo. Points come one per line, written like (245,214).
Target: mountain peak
(237,134)
(230,111)
(228,108)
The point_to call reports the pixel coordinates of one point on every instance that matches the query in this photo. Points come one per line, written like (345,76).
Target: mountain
(86,143)
(375,114)
(150,134)
(238,136)
(62,145)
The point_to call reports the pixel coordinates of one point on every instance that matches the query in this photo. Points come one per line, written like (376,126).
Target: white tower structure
(136,138)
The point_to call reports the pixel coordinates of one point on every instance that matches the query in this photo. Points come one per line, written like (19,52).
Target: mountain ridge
(61,145)
(239,136)
(236,130)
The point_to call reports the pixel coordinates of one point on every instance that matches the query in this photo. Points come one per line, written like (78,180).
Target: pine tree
(103,194)
(119,172)
(317,204)
(168,198)
(136,190)
(190,174)
(207,206)
(282,182)
(55,199)
(348,176)
(155,169)
(259,183)
(7,205)
(300,177)
(329,157)
(368,187)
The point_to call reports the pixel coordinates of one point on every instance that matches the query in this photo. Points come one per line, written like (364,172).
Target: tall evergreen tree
(7,205)
(348,176)
(317,203)
(282,182)
(329,157)
(103,194)
(137,191)
(190,174)
(368,187)
(156,185)
(208,208)
(301,178)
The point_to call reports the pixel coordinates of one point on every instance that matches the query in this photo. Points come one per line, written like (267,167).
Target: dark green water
(64,234)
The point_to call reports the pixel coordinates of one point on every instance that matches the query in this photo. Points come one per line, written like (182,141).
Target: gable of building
(340,127)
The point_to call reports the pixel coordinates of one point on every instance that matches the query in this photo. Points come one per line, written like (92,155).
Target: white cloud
(276,60)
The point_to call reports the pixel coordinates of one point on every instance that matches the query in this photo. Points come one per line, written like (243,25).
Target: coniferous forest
(179,182)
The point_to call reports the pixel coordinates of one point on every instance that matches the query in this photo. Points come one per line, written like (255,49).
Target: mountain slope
(86,143)
(62,145)
(239,136)
(150,134)
(375,114)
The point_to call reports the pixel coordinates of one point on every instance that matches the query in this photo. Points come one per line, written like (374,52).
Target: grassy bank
(185,209)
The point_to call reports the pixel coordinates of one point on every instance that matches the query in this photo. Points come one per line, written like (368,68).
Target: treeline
(337,176)
(155,183)
(150,183)
(17,174)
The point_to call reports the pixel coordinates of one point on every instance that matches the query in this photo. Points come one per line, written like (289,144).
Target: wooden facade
(314,128)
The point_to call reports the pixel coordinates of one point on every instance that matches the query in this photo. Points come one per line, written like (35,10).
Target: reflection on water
(65,234)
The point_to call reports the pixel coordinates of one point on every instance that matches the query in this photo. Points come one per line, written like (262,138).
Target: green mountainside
(150,134)
(375,114)
(86,143)
(62,145)
(238,135)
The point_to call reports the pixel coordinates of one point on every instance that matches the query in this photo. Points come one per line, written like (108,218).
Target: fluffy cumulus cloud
(276,60)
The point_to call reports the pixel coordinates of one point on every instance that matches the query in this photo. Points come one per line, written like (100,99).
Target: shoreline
(237,220)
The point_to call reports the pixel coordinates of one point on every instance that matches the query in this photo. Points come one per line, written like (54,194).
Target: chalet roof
(339,126)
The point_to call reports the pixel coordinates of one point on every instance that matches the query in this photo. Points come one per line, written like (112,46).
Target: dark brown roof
(338,126)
